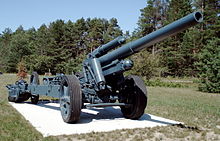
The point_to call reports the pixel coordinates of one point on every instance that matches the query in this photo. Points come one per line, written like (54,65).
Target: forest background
(60,47)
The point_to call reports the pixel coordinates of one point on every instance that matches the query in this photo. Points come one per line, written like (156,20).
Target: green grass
(190,106)
(199,111)
(12,125)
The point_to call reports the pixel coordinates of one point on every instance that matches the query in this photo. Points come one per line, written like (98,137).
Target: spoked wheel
(135,94)
(34,80)
(70,99)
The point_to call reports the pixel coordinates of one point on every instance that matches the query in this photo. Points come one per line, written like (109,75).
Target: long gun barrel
(107,47)
(102,81)
(152,38)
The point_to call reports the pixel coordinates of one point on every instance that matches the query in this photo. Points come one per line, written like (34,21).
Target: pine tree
(172,57)
(152,18)
(43,42)
(56,30)
(56,47)
(209,64)
(19,48)
(211,22)
(41,59)
(95,33)
(111,30)
(189,49)
(209,67)
(5,40)
(80,36)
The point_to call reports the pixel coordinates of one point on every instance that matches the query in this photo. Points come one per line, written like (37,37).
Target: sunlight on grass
(187,105)
(12,125)
(199,111)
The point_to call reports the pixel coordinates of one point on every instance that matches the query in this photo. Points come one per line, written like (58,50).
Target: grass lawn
(199,111)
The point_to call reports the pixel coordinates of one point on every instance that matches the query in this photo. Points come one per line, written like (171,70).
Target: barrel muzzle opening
(198,16)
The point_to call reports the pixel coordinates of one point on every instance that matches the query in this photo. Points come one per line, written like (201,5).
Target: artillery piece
(101,82)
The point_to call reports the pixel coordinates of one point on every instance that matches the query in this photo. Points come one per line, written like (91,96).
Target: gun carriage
(101,82)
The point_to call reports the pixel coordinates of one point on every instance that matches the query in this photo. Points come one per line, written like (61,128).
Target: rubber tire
(19,99)
(11,99)
(75,96)
(34,99)
(34,80)
(136,94)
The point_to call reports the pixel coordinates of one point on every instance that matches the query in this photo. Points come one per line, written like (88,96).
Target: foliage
(179,54)
(61,46)
(209,67)
(173,57)
(57,47)
(152,16)
(17,46)
(159,83)
(145,65)
(74,65)
(13,126)
(5,40)
(189,48)
(208,64)
(41,63)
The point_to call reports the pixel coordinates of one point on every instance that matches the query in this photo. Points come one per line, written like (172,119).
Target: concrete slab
(46,118)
